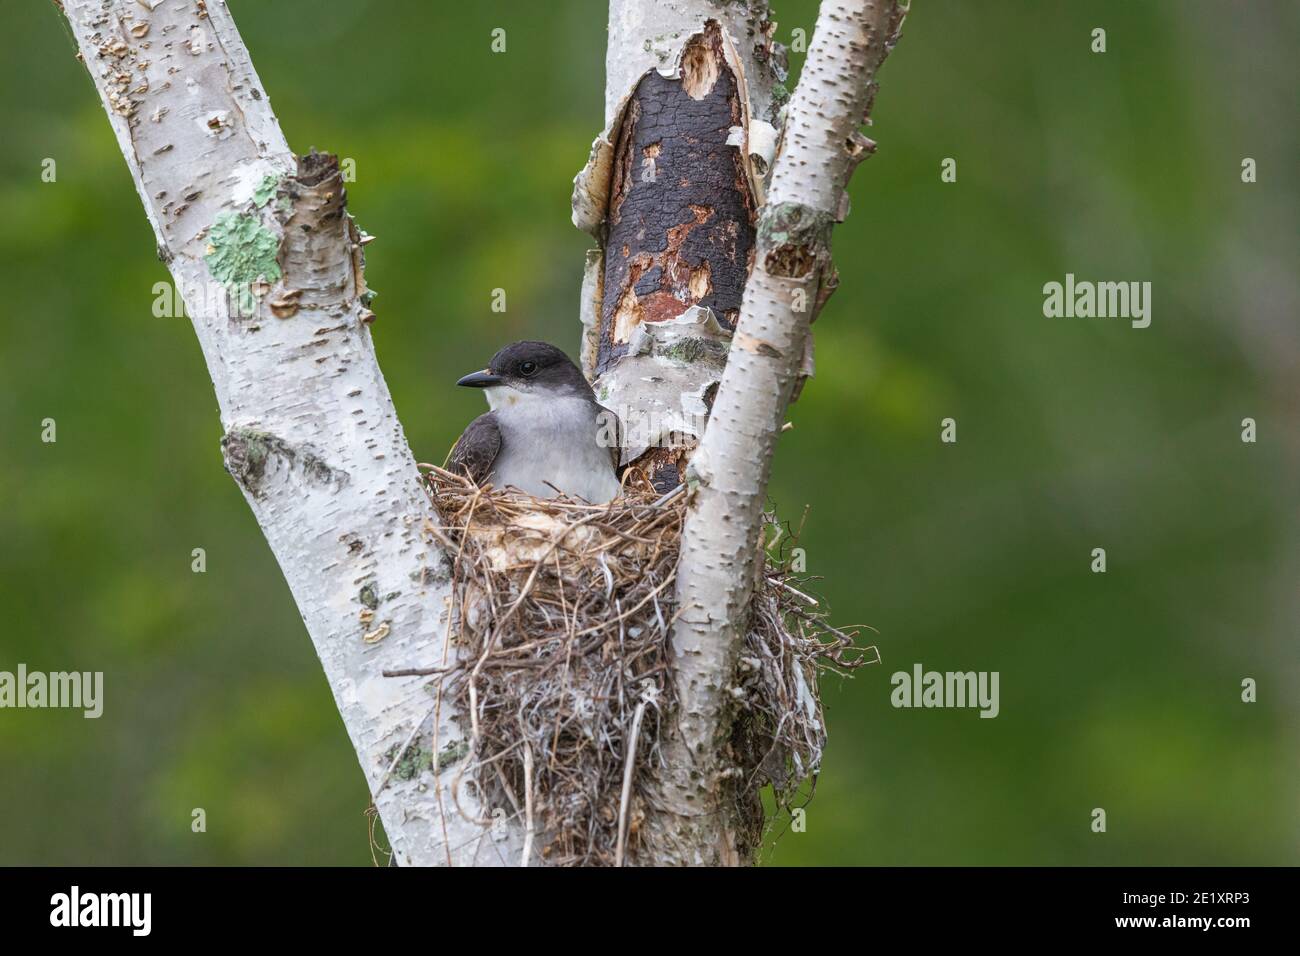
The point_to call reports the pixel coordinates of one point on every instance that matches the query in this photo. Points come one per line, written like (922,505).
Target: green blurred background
(1119,691)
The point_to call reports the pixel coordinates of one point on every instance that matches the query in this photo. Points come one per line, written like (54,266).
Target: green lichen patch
(247,451)
(414,760)
(794,238)
(792,222)
(693,350)
(449,754)
(418,757)
(240,251)
(265,190)
(369,598)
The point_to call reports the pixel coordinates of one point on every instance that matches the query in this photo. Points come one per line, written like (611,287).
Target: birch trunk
(271,271)
(671,194)
(728,474)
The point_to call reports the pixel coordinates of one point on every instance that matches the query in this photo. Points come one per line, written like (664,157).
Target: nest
(563,613)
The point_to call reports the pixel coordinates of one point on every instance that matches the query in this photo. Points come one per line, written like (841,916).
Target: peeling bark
(271,270)
(671,192)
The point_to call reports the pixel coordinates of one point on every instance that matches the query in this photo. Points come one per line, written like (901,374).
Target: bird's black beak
(483,379)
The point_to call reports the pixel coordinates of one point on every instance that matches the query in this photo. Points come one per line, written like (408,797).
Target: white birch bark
(311,434)
(728,474)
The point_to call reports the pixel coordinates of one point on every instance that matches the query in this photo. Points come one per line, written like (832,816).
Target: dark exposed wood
(680,226)
(679,230)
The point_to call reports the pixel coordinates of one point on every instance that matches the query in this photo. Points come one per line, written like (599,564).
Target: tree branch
(270,267)
(728,473)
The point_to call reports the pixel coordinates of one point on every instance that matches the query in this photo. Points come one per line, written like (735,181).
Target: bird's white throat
(506,396)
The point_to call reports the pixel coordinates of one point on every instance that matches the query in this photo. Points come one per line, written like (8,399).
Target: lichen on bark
(248,454)
(240,252)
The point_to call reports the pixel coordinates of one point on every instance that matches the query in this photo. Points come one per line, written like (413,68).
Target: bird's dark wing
(477,448)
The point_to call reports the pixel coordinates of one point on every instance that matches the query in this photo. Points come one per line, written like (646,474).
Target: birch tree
(712,199)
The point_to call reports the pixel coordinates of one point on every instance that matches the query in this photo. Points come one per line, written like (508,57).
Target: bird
(545,433)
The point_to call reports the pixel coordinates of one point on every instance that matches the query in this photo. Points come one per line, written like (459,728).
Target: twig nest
(563,613)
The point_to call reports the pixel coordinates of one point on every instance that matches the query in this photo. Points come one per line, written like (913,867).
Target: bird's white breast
(549,440)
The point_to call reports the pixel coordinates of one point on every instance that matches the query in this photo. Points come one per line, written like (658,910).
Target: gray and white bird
(544,433)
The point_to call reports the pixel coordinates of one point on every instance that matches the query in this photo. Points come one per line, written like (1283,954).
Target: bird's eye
(527,368)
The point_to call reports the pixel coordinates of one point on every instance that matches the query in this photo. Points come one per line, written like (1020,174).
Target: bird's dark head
(529,370)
